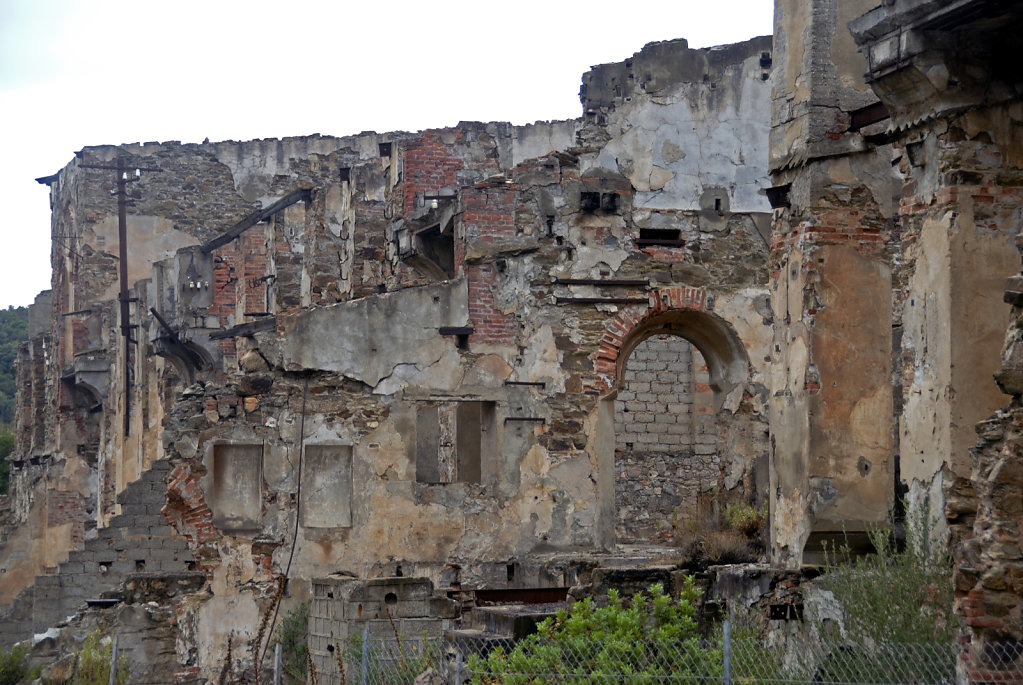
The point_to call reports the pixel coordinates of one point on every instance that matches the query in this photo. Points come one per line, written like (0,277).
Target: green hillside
(13,332)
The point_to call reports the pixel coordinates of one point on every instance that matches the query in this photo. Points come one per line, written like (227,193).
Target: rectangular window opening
(451,441)
(665,237)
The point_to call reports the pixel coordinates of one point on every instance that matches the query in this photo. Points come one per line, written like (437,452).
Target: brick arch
(685,312)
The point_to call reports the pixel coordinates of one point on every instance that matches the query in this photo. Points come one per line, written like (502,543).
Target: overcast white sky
(78,73)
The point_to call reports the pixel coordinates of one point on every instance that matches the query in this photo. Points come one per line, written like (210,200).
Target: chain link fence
(498,661)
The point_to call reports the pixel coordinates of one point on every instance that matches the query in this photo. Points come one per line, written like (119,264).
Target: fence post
(277,664)
(114,661)
(726,676)
(459,668)
(364,677)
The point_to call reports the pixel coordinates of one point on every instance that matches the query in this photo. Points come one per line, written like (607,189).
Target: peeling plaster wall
(832,404)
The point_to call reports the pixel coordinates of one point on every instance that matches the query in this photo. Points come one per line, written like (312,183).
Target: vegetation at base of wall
(895,596)
(650,637)
(746,519)
(13,332)
(14,666)
(290,634)
(716,532)
(93,664)
(385,662)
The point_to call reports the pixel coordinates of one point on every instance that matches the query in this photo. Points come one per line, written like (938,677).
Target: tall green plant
(93,667)
(291,634)
(895,596)
(14,665)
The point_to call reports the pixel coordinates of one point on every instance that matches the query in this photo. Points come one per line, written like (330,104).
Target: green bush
(14,665)
(652,639)
(7,441)
(290,634)
(895,596)
(745,518)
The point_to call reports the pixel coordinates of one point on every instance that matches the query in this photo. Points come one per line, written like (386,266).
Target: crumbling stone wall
(951,114)
(425,324)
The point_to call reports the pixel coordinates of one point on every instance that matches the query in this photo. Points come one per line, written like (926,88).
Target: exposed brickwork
(607,357)
(488,216)
(67,507)
(186,509)
(429,166)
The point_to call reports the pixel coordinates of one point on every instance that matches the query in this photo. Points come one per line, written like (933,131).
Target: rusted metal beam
(297,195)
(603,300)
(121,170)
(267,324)
(865,116)
(608,282)
(165,326)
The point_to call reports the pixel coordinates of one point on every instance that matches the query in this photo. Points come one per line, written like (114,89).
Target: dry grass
(717,533)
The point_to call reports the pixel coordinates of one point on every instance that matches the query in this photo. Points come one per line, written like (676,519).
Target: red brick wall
(488,215)
(67,507)
(429,165)
(189,514)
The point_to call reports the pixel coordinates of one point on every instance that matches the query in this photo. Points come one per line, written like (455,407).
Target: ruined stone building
(397,369)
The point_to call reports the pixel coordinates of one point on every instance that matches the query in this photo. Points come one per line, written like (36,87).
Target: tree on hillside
(13,332)
(6,447)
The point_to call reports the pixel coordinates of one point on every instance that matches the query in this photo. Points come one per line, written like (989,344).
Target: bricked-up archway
(645,483)
(678,311)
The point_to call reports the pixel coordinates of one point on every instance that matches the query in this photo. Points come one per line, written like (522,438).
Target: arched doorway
(668,438)
(680,418)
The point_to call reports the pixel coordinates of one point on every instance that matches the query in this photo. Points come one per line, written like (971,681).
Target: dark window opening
(765,60)
(439,248)
(345,173)
(384,149)
(778,196)
(591,201)
(717,204)
(667,237)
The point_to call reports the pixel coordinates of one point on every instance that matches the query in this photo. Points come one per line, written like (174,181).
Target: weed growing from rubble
(93,666)
(895,596)
(14,665)
(290,634)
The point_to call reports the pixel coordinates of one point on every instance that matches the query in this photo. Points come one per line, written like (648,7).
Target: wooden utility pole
(122,169)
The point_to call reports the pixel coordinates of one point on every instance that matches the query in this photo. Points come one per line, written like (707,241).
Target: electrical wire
(298,518)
